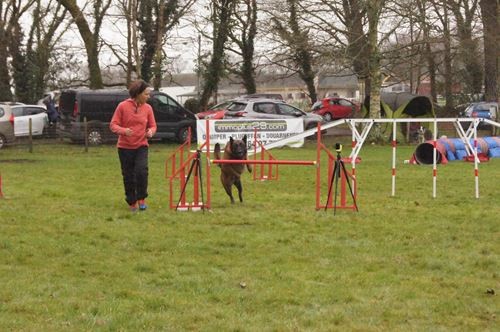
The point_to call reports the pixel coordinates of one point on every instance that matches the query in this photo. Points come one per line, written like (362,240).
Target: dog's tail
(217,152)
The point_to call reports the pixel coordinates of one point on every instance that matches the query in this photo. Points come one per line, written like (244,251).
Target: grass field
(72,257)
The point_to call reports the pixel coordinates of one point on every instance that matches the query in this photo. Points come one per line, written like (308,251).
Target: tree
(221,14)
(345,43)
(243,33)
(11,38)
(132,63)
(297,42)
(490,10)
(425,26)
(41,43)
(465,13)
(156,18)
(90,37)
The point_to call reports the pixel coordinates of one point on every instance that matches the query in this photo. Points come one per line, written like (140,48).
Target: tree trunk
(472,74)
(490,12)
(357,45)
(448,75)
(5,88)
(248,75)
(223,10)
(431,64)
(90,40)
(373,11)
(248,30)
(158,59)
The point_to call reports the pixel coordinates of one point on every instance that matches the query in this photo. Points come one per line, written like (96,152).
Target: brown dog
(231,173)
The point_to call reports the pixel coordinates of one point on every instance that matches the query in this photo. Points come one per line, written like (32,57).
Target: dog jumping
(231,173)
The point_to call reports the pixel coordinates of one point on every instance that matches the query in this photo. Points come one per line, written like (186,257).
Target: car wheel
(327,117)
(94,136)
(2,141)
(183,133)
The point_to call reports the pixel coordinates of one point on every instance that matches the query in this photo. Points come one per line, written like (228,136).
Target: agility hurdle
(259,173)
(179,162)
(179,173)
(358,140)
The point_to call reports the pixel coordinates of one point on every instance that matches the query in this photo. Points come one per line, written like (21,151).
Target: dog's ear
(231,140)
(245,139)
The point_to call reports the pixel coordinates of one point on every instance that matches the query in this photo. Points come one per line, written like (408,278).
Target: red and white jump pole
(394,145)
(434,161)
(476,160)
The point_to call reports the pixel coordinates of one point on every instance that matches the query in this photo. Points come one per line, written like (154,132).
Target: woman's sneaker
(133,207)
(142,205)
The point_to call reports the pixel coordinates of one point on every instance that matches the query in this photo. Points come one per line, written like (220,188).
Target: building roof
(267,81)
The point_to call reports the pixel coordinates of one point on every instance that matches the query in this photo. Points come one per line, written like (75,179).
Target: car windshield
(316,105)
(220,106)
(236,107)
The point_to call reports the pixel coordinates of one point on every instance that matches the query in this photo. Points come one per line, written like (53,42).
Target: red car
(334,108)
(215,112)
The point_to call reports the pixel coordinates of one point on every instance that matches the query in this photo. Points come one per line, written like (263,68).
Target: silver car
(6,125)
(270,109)
(23,114)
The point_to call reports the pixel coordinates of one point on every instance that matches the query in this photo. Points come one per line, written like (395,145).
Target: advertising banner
(267,131)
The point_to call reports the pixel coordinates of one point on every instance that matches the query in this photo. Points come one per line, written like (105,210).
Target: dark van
(97,106)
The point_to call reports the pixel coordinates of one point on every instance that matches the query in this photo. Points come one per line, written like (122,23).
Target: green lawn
(72,257)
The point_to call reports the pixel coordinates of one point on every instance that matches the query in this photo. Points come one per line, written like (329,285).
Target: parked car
(97,107)
(263,95)
(334,108)
(218,111)
(6,125)
(215,112)
(484,110)
(22,115)
(270,109)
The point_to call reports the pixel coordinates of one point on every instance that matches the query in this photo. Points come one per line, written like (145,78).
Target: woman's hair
(137,87)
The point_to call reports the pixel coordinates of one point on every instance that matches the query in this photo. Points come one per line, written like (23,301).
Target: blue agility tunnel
(454,149)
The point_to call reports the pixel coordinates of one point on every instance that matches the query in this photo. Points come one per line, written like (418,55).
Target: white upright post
(394,142)
(434,162)
(353,159)
(476,159)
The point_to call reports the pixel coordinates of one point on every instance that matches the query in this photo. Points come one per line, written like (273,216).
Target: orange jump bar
(264,162)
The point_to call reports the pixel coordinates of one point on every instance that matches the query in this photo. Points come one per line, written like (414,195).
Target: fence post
(85,132)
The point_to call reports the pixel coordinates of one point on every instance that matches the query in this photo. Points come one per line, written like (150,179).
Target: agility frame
(179,173)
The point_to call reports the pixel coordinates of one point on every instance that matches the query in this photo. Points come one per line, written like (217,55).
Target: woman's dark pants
(134,164)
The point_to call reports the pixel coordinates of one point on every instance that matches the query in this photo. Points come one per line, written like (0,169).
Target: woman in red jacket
(134,122)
